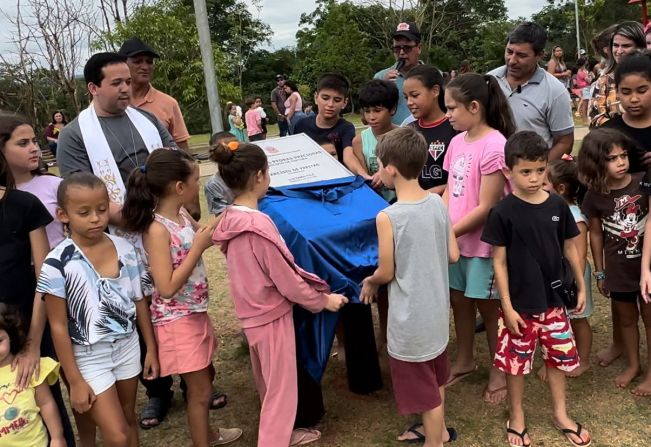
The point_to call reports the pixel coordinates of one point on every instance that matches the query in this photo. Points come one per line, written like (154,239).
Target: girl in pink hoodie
(265,283)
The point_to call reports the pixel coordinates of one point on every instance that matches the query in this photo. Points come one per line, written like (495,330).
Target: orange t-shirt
(167,110)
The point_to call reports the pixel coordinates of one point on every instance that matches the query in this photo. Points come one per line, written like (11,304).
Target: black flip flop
(521,435)
(568,431)
(420,438)
(215,396)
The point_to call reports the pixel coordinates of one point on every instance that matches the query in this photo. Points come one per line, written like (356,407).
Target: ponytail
(486,90)
(150,182)
(238,162)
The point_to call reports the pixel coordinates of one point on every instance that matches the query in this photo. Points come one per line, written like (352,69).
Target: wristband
(599,276)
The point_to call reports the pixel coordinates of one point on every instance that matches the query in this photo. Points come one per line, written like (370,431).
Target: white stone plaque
(299,160)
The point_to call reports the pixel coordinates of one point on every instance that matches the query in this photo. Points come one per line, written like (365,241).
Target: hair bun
(222,154)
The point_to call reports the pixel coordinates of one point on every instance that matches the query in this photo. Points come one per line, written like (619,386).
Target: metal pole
(576,16)
(201,17)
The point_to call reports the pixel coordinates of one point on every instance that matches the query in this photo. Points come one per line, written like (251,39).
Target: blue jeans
(295,119)
(283,128)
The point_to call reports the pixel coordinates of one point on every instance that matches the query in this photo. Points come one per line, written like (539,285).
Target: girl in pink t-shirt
(474,160)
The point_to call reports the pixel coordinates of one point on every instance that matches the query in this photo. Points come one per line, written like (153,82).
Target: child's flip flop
(521,435)
(568,432)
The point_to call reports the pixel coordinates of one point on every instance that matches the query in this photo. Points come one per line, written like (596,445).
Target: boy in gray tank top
(416,244)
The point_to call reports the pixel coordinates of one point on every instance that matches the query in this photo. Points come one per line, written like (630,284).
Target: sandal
(226,436)
(156,409)
(454,378)
(521,435)
(568,432)
(420,438)
(304,436)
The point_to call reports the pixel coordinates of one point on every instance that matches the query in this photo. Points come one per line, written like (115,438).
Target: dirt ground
(614,416)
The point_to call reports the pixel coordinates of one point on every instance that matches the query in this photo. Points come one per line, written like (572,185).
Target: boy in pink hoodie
(265,283)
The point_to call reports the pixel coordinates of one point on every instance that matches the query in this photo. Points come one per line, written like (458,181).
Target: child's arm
(352,162)
(27,362)
(512,318)
(645,274)
(376,182)
(581,244)
(490,192)
(284,277)
(597,249)
(82,396)
(386,262)
(150,367)
(168,280)
(570,253)
(453,247)
(50,414)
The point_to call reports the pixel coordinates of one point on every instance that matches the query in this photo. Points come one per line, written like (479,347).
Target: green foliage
(558,17)
(179,72)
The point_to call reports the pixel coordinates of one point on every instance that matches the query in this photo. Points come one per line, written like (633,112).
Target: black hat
(408,30)
(134,46)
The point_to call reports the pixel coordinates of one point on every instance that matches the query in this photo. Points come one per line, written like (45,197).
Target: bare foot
(627,376)
(583,367)
(496,390)
(644,388)
(608,355)
(542,373)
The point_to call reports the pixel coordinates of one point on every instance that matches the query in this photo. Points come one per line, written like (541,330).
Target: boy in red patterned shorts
(531,231)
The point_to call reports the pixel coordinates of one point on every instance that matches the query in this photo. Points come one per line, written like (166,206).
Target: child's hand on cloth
(335,302)
(369,291)
(151,367)
(82,396)
(203,236)
(514,321)
(26,364)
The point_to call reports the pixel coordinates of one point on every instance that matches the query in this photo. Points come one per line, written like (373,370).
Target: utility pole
(578,39)
(201,16)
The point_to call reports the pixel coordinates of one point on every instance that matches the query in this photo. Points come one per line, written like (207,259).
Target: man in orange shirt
(140,58)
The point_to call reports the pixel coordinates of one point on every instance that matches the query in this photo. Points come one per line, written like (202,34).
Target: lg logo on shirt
(555,219)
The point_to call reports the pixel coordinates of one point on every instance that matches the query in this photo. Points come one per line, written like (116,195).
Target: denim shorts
(105,362)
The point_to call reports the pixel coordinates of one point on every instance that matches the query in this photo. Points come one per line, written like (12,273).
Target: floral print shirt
(192,297)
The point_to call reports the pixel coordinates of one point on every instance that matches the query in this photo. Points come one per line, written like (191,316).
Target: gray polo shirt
(541,104)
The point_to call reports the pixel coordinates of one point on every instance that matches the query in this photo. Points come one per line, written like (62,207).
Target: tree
(179,71)
(334,43)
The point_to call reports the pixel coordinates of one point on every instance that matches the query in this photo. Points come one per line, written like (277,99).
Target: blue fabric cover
(330,230)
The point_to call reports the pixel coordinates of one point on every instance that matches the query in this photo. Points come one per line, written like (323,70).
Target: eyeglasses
(404,48)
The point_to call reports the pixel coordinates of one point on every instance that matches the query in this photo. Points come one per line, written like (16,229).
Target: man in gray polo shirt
(538,100)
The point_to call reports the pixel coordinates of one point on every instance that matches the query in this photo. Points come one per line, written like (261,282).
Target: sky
(281,15)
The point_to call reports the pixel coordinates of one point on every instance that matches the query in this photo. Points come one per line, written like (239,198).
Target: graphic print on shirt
(436,150)
(13,423)
(459,172)
(625,223)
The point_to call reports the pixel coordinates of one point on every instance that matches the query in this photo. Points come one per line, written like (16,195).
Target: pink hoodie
(265,281)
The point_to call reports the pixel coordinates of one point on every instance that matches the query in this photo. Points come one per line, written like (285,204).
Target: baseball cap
(134,46)
(408,30)
(279,77)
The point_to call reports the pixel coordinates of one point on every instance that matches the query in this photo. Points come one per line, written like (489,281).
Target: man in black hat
(406,49)
(140,59)
(278,97)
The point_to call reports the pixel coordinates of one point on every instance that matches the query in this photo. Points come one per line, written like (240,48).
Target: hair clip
(143,169)
(233,145)
(567,157)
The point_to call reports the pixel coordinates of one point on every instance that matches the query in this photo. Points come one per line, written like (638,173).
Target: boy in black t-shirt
(531,232)
(331,98)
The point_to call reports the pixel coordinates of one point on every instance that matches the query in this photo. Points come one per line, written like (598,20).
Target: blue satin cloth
(330,229)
